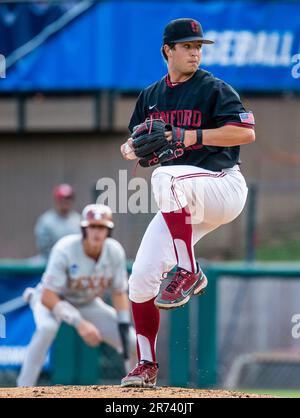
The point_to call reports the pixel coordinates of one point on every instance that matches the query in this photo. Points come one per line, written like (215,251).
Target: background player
(80,268)
(58,222)
(201,173)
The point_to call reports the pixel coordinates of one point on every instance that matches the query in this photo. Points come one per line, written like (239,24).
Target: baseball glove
(151,146)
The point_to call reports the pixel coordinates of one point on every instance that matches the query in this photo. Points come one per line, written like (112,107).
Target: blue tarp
(117,45)
(19,324)
(19,23)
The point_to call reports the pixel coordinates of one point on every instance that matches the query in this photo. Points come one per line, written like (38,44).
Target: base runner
(80,268)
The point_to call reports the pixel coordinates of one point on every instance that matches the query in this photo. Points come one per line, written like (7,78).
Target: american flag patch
(247,118)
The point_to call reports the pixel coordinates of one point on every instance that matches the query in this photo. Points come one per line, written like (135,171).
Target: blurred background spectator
(57,222)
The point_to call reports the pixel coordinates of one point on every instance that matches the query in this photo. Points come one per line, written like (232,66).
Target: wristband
(199,136)
(64,311)
(123,317)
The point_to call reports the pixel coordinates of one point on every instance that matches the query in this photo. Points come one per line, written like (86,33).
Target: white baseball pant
(214,199)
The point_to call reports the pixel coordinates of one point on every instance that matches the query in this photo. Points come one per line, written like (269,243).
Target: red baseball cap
(63,191)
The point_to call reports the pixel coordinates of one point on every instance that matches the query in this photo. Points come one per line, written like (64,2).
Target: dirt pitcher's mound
(118,392)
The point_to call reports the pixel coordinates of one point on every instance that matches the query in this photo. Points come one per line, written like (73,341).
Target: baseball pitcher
(192,124)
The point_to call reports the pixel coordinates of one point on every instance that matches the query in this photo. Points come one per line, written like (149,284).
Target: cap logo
(195,27)
(93,215)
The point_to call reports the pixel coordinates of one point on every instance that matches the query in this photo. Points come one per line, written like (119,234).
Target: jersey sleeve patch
(247,118)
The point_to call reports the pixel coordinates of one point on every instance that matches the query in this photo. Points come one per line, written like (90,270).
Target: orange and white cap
(97,214)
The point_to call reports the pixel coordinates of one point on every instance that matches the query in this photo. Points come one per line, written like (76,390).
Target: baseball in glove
(151,146)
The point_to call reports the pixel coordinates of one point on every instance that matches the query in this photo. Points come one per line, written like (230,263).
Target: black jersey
(202,102)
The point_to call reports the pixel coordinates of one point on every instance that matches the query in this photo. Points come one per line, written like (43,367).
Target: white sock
(184,260)
(145,348)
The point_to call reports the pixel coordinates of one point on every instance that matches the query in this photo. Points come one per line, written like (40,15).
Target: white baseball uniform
(80,280)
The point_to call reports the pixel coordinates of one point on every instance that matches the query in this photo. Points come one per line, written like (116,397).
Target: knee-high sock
(180,227)
(146,319)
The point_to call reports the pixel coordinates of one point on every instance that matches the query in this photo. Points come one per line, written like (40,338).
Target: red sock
(180,227)
(146,319)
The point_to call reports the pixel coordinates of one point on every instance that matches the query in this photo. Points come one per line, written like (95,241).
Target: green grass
(282,393)
(285,250)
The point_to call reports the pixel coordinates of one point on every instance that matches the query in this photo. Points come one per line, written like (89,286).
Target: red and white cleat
(144,375)
(183,285)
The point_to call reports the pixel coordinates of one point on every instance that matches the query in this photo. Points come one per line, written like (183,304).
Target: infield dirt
(118,392)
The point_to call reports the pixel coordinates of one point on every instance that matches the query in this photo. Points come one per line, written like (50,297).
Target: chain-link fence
(257,342)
